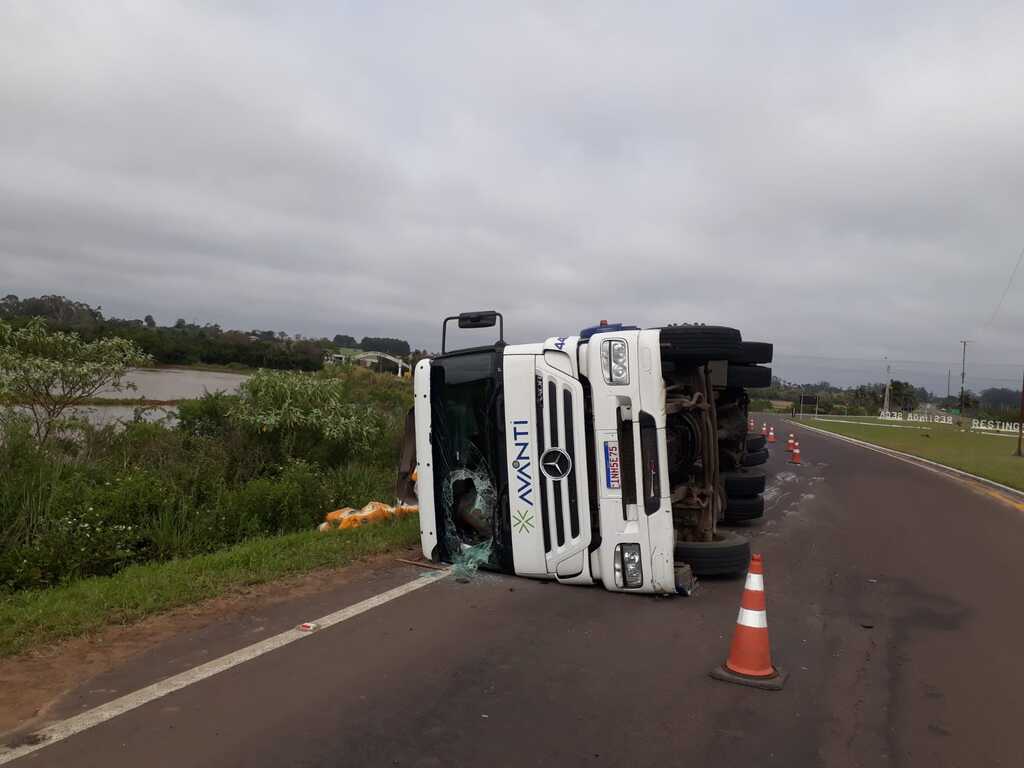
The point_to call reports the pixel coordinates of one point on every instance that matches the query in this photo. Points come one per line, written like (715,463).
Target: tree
(49,372)
(1000,398)
(56,309)
(180,323)
(903,396)
(391,346)
(150,322)
(344,340)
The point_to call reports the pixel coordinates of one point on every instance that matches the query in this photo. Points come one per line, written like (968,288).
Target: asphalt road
(891,601)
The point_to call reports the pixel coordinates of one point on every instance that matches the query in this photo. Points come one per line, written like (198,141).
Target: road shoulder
(65,678)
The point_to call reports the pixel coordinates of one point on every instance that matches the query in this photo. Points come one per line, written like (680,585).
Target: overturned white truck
(609,457)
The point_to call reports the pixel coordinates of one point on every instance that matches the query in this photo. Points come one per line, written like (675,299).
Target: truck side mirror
(484,319)
(478,319)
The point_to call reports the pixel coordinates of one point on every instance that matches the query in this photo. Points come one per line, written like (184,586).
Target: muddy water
(177,383)
(161,384)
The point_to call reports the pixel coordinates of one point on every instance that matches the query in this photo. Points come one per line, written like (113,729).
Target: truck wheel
(756,442)
(742,510)
(743,484)
(754,352)
(749,376)
(700,342)
(754,458)
(727,554)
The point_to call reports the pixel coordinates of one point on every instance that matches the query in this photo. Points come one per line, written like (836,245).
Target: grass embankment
(37,616)
(988,456)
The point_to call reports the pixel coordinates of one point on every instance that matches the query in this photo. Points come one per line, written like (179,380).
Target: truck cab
(584,459)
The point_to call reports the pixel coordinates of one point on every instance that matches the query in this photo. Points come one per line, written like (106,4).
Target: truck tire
(700,342)
(756,442)
(754,458)
(742,510)
(743,484)
(749,376)
(755,352)
(727,554)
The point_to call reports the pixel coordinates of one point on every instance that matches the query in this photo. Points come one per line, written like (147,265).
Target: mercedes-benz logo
(555,463)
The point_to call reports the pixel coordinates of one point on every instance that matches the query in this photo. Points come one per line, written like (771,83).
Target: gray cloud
(842,181)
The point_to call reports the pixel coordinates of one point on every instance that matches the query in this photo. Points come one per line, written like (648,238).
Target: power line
(1006,290)
(895,361)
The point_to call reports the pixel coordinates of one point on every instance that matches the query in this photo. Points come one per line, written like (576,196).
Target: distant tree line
(867,399)
(396,347)
(185,343)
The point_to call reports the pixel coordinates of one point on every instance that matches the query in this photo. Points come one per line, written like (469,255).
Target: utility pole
(963,375)
(949,374)
(1020,420)
(888,385)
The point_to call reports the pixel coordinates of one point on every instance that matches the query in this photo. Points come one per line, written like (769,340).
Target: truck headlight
(629,572)
(615,361)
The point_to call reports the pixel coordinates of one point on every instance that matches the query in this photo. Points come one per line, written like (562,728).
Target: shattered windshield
(468,455)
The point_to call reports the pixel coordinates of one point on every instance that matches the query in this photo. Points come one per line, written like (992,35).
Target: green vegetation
(763,405)
(50,372)
(989,456)
(79,501)
(32,617)
(865,399)
(998,404)
(102,524)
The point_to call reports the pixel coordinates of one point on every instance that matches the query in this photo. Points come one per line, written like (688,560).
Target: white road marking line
(932,466)
(870,423)
(59,731)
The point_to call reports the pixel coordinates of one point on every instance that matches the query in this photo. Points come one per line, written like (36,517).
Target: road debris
(468,561)
(421,564)
(374,512)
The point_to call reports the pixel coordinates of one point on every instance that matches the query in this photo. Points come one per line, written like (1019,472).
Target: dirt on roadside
(32,683)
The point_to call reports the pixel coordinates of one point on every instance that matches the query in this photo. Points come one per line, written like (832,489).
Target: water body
(161,384)
(177,383)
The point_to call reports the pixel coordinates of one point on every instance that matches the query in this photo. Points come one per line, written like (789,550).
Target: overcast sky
(846,181)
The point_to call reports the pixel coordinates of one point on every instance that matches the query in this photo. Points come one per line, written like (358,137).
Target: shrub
(269,461)
(353,485)
(301,415)
(207,416)
(293,501)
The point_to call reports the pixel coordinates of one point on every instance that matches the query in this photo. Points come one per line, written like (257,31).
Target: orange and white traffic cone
(771,434)
(764,428)
(795,458)
(750,655)
(790,442)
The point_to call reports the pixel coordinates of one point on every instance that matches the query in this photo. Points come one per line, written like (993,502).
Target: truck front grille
(555,429)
